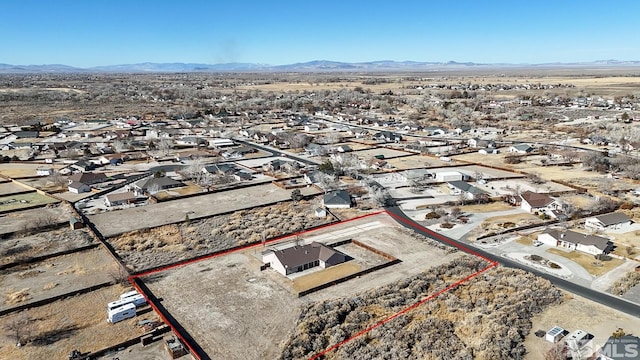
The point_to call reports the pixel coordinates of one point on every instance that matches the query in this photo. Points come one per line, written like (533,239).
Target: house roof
(88,177)
(612,218)
(161,182)
(77,185)
(579,238)
(299,255)
(122,196)
(466,187)
(536,200)
(337,197)
(522,147)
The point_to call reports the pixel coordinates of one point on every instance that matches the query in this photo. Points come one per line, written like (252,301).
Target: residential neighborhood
(231,213)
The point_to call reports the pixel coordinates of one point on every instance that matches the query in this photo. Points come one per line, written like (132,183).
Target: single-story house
(462,187)
(83,166)
(488,151)
(157,183)
(337,199)
(299,258)
(610,221)
(590,244)
(532,202)
(78,187)
(521,148)
(88,178)
(122,198)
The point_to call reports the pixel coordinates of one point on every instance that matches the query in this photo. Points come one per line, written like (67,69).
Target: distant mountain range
(311,66)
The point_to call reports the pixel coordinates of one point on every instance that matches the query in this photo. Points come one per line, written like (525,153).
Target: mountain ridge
(309,66)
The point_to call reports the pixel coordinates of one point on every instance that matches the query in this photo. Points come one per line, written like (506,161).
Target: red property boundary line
(132,279)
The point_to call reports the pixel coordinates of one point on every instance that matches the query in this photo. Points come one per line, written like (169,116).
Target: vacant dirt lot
(121,221)
(26,219)
(577,313)
(59,275)
(74,323)
(42,243)
(18,170)
(235,311)
(7,188)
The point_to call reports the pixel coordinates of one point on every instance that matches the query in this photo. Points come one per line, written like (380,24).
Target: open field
(12,202)
(593,266)
(55,276)
(485,208)
(235,311)
(42,243)
(27,219)
(170,243)
(74,323)
(575,313)
(18,170)
(415,162)
(121,221)
(7,188)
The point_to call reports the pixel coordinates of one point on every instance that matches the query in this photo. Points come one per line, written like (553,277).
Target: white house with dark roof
(572,240)
(462,187)
(521,148)
(337,199)
(611,221)
(300,258)
(537,202)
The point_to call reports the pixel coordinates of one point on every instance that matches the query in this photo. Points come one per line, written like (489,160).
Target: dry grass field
(55,276)
(314,279)
(13,202)
(593,266)
(171,243)
(74,323)
(42,243)
(29,219)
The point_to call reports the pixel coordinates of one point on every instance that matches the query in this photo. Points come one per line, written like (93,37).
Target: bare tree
(19,328)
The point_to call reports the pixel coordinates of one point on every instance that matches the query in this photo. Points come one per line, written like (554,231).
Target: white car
(537,243)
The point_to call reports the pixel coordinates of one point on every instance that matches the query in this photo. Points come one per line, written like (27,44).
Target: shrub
(554,265)
(431,215)
(535,257)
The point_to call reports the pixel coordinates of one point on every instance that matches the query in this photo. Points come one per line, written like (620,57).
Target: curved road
(594,295)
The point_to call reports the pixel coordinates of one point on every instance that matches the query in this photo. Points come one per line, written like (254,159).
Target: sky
(108,32)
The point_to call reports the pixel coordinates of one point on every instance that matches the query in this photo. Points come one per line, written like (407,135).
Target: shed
(321,212)
(555,334)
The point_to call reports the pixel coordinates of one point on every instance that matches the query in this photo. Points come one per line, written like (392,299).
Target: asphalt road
(594,295)
(276,152)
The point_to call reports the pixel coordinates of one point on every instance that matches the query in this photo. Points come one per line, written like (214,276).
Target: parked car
(537,243)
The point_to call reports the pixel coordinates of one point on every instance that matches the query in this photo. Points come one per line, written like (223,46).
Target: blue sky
(106,32)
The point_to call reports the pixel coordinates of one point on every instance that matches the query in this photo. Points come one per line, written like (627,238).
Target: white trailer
(121,313)
(136,300)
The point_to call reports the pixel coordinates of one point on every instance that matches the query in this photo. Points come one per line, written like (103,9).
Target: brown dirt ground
(577,313)
(55,276)
(588,261)
(73,323)
(324,276)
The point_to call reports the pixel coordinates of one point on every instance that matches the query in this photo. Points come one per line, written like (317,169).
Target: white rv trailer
(136,300)
(123,312)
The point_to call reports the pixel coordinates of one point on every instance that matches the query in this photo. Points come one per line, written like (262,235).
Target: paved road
(277,152)
(597,296)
